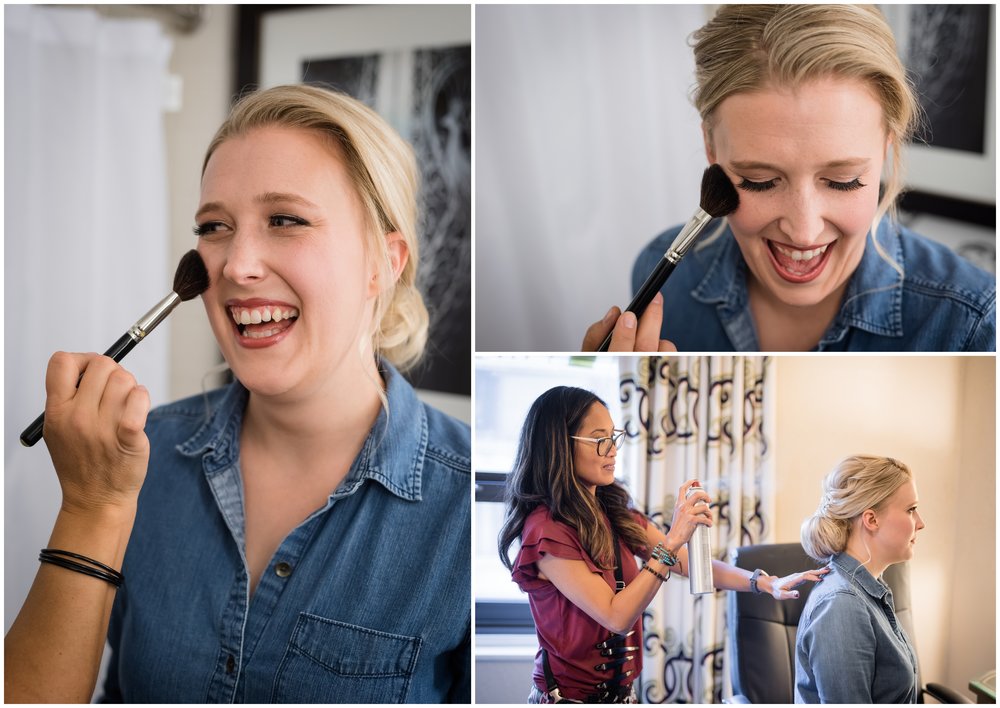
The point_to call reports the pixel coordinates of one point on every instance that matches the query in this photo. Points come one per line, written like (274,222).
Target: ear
(706,135)
(869,520)
(398,253)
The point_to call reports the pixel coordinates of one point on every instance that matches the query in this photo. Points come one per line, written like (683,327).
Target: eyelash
(209,227)
(749,186)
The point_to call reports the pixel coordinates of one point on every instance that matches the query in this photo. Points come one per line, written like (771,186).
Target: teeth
(798,255)
(260,334)
(245,316)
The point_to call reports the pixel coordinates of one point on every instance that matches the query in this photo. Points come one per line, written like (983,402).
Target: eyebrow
(265,198)
(832,164)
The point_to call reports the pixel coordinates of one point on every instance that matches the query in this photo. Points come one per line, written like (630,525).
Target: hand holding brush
(718,198)
(190,281)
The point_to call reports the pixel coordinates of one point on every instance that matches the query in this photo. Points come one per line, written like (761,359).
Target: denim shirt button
(230,664)
(282,570)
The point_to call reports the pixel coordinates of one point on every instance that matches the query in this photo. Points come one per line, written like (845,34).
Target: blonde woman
(303,533)
(850,647)
(807,108)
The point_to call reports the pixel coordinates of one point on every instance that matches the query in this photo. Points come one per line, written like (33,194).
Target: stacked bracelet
(661,576)
(68,560)
(661,554)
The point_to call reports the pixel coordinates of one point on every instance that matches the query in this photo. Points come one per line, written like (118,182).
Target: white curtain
(587,146)
(710,418)
(85,229)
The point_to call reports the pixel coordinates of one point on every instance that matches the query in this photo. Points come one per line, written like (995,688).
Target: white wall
(937,414)
(203,61)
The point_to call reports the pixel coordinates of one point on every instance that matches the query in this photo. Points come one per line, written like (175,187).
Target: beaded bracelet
(646,566)
(661,554)
(68,560)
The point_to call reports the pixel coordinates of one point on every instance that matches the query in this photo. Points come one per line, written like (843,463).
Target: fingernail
(658,298)
(628,320)
(795,594)
(611,313)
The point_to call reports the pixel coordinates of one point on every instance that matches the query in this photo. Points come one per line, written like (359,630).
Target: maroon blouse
(566,632)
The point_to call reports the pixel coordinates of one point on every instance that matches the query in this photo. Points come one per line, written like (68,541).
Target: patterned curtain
(709,418)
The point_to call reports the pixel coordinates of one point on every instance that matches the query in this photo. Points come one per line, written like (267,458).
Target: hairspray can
(700,556)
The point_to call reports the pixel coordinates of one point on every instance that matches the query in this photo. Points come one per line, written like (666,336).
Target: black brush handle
(33,433)
(646,294)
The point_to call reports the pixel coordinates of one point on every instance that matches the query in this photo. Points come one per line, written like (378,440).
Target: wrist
(761,583)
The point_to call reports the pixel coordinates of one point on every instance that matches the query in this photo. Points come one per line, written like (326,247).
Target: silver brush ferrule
(148,322)
(686,238)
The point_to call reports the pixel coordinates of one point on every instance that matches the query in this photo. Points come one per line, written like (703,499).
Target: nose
(801,220)
(920,520)
(244,258)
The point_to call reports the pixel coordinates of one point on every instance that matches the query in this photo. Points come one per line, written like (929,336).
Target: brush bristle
(191,278)
(718,195)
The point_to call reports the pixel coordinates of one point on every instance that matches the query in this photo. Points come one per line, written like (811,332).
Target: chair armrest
(943,694)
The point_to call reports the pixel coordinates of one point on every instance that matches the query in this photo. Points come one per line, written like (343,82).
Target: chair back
(762,630)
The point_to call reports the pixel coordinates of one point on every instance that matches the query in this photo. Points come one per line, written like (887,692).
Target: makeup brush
(190,281)
(718,198)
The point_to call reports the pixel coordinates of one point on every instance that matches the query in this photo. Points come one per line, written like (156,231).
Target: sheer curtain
(587,146)
(710,418)
(85,229)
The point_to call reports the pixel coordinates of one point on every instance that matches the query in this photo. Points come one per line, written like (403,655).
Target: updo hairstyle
(856,484)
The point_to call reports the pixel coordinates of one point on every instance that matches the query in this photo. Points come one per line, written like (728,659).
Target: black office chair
(762,630)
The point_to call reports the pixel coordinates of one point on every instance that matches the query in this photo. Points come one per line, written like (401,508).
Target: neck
(321,422)
(872,562)
(784,327)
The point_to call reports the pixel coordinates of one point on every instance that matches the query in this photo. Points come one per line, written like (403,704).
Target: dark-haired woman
(578,535)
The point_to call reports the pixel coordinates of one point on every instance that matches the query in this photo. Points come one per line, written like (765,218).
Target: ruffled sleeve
(541,535)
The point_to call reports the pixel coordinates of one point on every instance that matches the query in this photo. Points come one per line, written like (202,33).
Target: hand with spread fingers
(630,334)
(782,588)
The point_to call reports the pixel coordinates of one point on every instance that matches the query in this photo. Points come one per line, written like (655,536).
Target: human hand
(627,337)
(689,513)
(94,432)
(781,588)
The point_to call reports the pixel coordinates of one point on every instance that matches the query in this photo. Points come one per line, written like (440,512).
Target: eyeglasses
(604,444)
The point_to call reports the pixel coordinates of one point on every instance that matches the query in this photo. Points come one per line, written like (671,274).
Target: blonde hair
(856,484)
(383,170)
(746,47)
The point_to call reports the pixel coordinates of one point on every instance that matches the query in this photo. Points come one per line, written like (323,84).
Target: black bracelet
(95,570)
(645,566)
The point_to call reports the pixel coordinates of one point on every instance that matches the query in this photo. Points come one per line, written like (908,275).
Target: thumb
(132,424)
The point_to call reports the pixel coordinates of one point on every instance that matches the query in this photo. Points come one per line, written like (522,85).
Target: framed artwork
(948,52)
(413,65)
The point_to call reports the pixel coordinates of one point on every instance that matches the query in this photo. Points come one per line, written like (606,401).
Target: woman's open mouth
(799,265)
(263,325)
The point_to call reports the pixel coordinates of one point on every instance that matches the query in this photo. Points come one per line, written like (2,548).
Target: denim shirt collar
(850,567)
(392,457)
(872,302)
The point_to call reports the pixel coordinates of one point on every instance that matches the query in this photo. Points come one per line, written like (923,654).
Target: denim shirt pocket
(333,662)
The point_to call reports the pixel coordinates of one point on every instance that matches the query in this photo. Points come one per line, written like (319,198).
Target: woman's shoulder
(448,439)
(182,418)
(930,265)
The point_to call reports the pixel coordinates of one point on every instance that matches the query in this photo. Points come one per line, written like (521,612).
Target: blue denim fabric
(944,303)
(374,606)
(849,647)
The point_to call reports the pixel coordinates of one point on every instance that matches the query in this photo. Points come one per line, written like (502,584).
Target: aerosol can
(700,556)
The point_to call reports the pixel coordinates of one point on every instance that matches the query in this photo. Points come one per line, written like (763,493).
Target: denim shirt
(366,601)
(850,648)
(943,303)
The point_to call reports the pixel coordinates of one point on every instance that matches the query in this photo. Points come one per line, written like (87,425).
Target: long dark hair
(543,474)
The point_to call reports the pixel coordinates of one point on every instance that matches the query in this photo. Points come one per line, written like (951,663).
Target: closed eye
(845,186)
(757,186)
